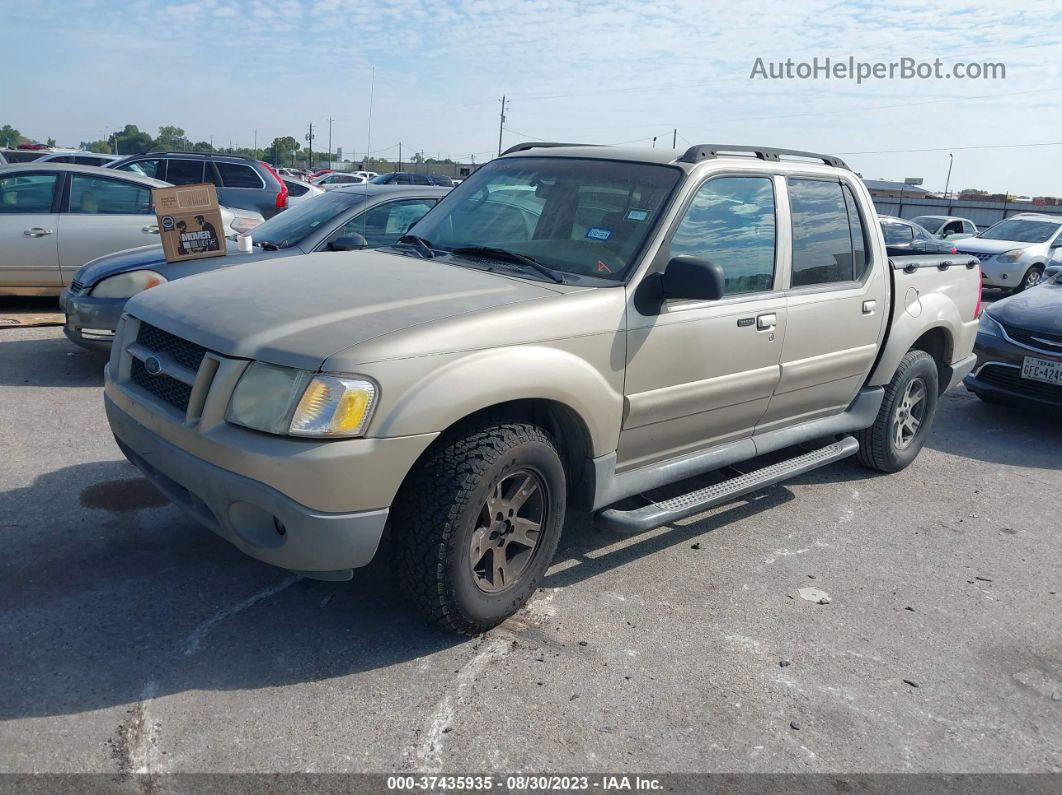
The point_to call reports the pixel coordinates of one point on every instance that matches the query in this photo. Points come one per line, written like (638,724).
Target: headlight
(241,225)
(126,285)
(334,406)
(989,326)
(265,397)
(1011,256)
(283,400)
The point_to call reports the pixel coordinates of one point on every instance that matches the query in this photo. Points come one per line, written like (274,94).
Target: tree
(51,142)
(132,141)
(202,146)
(282,150)
(172,139)
(9,136)
(417,158)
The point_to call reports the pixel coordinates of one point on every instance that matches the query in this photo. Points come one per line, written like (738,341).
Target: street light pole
(329,141)
(947,182)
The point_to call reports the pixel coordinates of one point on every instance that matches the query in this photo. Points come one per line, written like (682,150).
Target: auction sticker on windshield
(1045,370)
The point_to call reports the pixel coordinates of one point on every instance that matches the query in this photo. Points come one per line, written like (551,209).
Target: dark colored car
(363,216)
(903,238)
(1019,348)
(12,156)
(409,178)
(241,181)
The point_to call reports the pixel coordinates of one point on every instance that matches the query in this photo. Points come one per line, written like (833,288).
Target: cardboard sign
(189,222)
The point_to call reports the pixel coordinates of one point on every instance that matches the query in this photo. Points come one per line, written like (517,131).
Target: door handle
(869,307)
(36,231)
(766,322)
(151,230)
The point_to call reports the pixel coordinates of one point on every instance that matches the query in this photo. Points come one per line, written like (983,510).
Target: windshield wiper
(420,244)
(512,256)
(266,245)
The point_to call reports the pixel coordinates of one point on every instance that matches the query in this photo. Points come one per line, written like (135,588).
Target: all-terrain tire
(441,505)
(878,445)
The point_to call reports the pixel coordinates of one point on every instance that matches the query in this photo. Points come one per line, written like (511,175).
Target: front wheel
(1032,277)
(477,523)
(905,416)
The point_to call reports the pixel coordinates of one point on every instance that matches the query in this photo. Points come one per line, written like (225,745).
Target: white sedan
(55,217)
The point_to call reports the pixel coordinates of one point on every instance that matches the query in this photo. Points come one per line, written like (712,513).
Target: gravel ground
(133,640)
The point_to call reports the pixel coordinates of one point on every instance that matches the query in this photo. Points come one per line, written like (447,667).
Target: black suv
(241,181)
(409,178)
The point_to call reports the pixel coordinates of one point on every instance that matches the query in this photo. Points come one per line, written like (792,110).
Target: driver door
(703,372)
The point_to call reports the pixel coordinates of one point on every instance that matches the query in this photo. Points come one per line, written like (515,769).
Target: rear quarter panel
(926,297)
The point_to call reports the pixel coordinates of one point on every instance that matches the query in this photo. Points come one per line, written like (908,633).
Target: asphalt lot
(133,640)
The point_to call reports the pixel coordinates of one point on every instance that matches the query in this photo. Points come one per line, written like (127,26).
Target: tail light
(282,195)
(977,309)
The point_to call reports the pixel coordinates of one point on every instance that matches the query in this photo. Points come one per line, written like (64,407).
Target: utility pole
(399,156)
(654,142)
(368,129)
(501,125)
(256,144)
(674,138)
(211,143)
(947,182)
(329,141)
(309,156)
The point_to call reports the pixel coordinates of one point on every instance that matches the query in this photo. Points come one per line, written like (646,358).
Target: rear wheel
(1032,277)
(905,416)
(478,521)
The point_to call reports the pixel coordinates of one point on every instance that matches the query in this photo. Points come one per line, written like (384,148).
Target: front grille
(981,257)
(185,353)
(1036,339)
(1009,378)
(169,390)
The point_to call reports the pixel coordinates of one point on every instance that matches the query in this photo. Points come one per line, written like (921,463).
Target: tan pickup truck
(571,326)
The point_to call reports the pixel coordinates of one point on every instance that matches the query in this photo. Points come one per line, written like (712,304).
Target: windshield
(928,222)
(1021,230)
(286,229)
(579,217)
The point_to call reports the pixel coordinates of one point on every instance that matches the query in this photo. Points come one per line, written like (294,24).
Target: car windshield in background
(583,218)
(1020,230)
(286,229)
(928,223)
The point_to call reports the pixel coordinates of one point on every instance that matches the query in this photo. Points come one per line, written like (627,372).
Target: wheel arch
(933,330)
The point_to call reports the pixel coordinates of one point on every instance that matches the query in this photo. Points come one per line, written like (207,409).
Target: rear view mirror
(351,242)
(684,278)
(693,279)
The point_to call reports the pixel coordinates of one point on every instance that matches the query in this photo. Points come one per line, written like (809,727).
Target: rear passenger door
(102,215)
(836,301)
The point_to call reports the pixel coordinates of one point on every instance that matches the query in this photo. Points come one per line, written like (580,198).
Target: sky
(622,71)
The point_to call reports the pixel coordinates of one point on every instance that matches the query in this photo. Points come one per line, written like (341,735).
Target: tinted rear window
(237,175)
(184,172)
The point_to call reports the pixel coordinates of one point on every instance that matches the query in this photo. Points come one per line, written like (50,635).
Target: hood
(299,316)
(1038,309)
(978,245)
(152,257)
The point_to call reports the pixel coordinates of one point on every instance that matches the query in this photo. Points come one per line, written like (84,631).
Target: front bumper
(90,322)
(1009,276)
(998,373)
(256,518)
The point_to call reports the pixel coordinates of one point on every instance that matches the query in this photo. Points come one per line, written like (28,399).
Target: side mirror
(685,277)
(1057,243)
(351,242)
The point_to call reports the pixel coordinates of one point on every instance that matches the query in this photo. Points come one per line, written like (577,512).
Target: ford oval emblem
(153,365)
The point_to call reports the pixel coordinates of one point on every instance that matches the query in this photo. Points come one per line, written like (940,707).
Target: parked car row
(55,217)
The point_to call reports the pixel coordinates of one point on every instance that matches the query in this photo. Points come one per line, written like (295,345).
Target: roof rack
(205,154)
(695,154)
(539,145)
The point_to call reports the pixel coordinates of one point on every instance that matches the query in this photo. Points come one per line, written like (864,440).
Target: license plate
(1042,370)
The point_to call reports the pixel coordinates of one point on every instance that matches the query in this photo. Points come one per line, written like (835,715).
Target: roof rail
(185,152)
(695,154)
(538,145)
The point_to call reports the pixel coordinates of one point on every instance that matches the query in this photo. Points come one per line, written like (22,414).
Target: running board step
(660,513)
